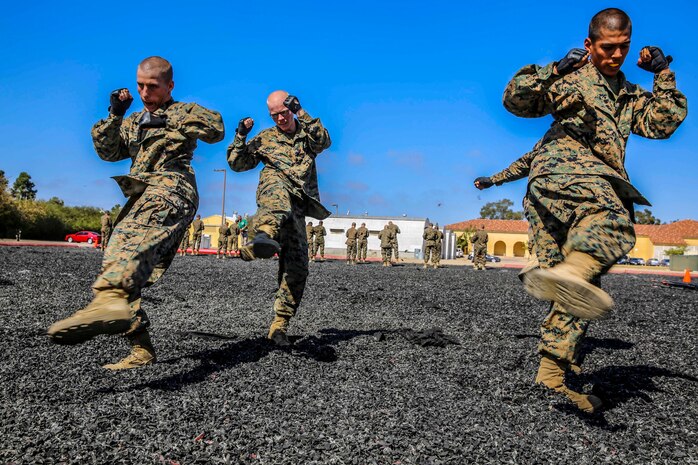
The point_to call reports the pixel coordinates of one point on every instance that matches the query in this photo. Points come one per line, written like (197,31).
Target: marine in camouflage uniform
(287,193)
(351,244)
(579,201)
(184,245)
(438,241)
(429,237)
(233,233)
(223,232)
(386,236)
(479,241)
(162,199)
(362,242)
(395,246)
(310,234)
(319,245)
(106,230)
(198,229)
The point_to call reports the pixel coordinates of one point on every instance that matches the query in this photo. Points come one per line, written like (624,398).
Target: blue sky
(410,92)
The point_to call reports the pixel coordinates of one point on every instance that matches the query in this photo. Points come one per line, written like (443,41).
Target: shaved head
(281,115)
(612,19)
(276,98)
(157,65)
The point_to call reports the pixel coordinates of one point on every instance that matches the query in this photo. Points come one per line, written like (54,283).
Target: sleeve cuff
(665,81)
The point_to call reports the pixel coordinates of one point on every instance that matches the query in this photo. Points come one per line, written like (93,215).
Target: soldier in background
(233,237)
(579,201)
(395,246)
(162,200)
(106,229)
(309,235)
(223,231)
(438,241)
(362,244)
(351,244)
(479,240)
(184,245)
(197,230)
(287,193)
(319,246)
(429,237)
(386,236)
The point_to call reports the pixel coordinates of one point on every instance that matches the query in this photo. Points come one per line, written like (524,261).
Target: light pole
(336,209)
(225,176)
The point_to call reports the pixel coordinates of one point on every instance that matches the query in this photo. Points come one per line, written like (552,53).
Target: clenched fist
(119,101)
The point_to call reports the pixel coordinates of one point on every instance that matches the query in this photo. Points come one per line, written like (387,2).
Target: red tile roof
(662,234)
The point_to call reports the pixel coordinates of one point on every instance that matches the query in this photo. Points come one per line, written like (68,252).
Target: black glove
(573,57)
(242,129)
(484,182)
(118,107)
(658,62)
(292,104)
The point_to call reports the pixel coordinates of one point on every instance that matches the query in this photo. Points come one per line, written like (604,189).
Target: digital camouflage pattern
(362,242)
(579,194)
(161,187)
(479,240)
(287,192)
(233,241)
(438,241)
(223,232)
(396,230)
(429,237)
(184,245)
(197,231)
(310,235)
(386,236)
(106,229)
(319,232)
(351,243)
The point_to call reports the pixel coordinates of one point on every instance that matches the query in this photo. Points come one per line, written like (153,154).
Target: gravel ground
(352,390)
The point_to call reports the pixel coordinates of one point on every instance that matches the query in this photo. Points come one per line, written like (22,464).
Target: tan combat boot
(108,313)
(277,331)
(142,353)
(568,285)
(551,374)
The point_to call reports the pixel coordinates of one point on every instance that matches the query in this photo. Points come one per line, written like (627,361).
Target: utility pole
(225,176)
(336,209)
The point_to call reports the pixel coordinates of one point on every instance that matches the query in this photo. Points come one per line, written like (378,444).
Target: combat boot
(551,374)
(142,353)
(262,246)
(108,313)
(277,331)
(568,285)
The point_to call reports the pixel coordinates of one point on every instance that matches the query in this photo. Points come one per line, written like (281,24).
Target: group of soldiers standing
(316,240)
(433,239)
(229,236)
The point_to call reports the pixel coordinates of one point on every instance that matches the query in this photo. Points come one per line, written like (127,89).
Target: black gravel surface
(352,389)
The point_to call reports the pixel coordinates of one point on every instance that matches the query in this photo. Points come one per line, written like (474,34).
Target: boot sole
(265,249)
(73,331)
(576,296)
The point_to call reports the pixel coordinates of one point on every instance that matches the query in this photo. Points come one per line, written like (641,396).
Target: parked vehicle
(90,237)
(488,258)
(653,262)
(636,261)
(664,262)
(459,253)
(623,261)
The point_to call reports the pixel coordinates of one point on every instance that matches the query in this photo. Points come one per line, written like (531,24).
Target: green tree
(680,250)
(9,214)
(24,188)
(464,240)
(645,217)
(500,210)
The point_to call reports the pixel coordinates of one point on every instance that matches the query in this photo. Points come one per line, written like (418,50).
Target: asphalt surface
(352,389)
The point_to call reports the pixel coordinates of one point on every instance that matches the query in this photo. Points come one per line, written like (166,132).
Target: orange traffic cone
(687,276)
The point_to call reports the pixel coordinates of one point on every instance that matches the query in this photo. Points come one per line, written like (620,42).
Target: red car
(90,237)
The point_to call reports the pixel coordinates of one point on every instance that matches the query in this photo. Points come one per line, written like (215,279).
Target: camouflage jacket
(351,236)
(160,157)
(591,125)
(198,226)
(395,228)
(309,232)
(429,237)
(439,237)
(106,222)
(223,231)
(289,160)
(319,232)
(362,233)
(386,236)
(234,230)
(479,239)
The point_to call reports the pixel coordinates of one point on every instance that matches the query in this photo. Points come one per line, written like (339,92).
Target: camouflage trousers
(363,249)
(222,244)
(319,248)
(311,248)
(233,243)
(106,234)
(396,249)
(386,253)
(282,216)
(184,245)
(428,253)
(479,256)
(436,256)
(144,242)
(574,213)
(196,241)
(351,251)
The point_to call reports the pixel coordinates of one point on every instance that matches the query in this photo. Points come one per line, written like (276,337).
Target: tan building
(509,238)
(210,235)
